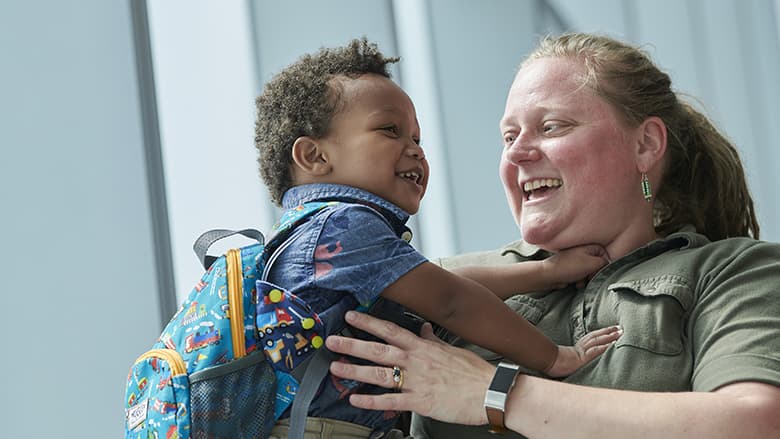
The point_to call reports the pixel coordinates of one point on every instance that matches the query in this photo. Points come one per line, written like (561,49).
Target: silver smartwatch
(495,397)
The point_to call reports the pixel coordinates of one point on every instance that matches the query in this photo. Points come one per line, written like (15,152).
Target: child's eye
(390,128)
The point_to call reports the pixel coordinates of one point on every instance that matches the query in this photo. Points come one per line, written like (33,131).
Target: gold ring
(398,378)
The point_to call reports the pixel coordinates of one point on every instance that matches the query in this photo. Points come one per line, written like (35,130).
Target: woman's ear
(309,159)
(651,143)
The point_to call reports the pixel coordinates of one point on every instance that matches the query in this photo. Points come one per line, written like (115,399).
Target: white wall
(79,290)
(206,83)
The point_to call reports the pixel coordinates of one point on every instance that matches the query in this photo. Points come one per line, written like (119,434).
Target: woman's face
(568,166)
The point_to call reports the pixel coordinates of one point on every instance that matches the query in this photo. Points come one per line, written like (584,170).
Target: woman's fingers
(426,332)
(433,378)
(387,331)
(376,375)
(373,351)
(387,401)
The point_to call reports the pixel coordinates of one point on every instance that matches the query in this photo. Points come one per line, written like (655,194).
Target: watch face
(504,377)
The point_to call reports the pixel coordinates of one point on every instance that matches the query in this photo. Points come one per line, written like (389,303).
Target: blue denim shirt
(343,257)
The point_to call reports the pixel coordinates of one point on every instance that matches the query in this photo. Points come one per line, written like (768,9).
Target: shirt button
(406,236)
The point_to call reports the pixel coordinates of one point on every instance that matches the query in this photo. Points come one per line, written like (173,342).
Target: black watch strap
(495,397)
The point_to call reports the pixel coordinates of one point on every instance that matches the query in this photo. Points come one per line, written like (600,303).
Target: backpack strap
(281,230)
(316,368)
(276,252)
(292,217)
(285,232)
(312,371)
(208,238)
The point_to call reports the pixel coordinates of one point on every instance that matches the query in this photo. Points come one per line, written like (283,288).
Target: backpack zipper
(172,357)
(236,301)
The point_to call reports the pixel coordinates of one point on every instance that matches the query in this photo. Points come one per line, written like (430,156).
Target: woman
(599,149)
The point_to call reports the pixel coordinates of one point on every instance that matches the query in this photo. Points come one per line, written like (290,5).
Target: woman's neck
(629,241)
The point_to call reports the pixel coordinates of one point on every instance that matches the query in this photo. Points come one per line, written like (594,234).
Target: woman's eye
(391,128)
(552,127)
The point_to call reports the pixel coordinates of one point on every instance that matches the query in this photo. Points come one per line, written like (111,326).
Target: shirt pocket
(652,313)
(530,308)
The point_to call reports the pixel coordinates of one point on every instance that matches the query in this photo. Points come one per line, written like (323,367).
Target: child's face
(373,142)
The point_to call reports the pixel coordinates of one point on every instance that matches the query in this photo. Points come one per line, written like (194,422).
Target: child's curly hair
(301,101)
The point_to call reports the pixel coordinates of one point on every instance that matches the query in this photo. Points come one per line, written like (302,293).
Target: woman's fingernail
(350,316)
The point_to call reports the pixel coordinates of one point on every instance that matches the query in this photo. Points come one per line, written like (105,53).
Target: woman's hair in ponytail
(703,182)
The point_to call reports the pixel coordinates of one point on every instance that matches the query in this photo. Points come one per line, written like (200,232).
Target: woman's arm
(540,408)
(449,384)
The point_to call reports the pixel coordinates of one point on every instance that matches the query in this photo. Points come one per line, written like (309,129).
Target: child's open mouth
(412,176)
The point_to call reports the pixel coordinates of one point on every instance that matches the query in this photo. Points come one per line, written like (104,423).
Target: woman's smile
(540,188)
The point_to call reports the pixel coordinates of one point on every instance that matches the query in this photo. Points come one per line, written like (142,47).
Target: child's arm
(473,312)
(560,269)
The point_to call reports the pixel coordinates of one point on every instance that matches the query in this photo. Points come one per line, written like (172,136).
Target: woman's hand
(439,381)
(593,344)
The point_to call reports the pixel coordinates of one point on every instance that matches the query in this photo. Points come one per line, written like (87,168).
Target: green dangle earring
(646,191)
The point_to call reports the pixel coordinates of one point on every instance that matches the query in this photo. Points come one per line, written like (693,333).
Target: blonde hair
(703,182)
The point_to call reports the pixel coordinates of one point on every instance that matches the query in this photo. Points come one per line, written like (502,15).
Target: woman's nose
(521,150)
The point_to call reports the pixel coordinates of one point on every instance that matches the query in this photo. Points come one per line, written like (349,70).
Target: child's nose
(415,150)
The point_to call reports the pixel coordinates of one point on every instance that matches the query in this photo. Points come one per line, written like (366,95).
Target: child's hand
(593,344)
(574,265)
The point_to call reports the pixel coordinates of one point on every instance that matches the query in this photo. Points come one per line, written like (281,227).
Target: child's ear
(309,158)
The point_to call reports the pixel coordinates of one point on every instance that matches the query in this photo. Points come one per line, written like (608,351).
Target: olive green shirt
(697,315)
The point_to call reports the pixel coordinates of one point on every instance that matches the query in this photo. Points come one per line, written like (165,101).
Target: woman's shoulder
(738,248)
(745,260)
(697,244)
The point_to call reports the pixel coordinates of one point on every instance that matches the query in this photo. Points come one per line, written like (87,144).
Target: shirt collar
(298,195)
(686,237)
(524,249)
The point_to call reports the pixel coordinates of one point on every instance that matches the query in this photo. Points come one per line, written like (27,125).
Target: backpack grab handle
(205,241)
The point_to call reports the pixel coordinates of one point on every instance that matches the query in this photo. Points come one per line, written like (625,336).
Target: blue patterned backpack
(210,373)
